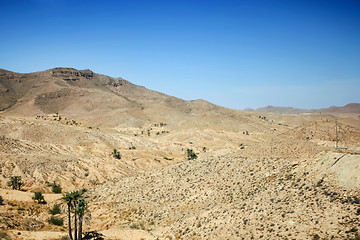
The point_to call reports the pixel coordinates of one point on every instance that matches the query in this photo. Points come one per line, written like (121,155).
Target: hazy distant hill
(281,110)
(349,108)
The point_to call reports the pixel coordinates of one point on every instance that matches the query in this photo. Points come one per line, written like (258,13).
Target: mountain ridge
(348,108)
(70,90)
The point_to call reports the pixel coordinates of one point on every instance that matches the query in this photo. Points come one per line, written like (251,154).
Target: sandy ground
(14,195)
(31,235)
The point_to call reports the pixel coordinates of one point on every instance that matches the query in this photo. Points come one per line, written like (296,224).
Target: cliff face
(71,74)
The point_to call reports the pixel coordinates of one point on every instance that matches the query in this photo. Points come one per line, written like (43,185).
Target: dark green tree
(38,197)
(77,196)
(191,154)
(15,182)
(55,209)
(56,221)
(67,200)
(116,154)
(72,201)
(83,215)
(56,188)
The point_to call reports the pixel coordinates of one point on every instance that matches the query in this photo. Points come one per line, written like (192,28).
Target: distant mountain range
(349,108)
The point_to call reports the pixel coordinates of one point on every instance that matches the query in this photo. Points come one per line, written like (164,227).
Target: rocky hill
(68,121)
(90,97)
(231,197)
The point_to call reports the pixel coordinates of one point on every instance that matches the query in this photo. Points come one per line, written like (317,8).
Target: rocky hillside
(231,197)
(89,97)
(68,122)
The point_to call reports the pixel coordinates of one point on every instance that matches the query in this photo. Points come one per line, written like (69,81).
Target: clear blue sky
(237,54)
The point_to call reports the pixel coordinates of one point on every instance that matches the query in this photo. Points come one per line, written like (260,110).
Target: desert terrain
(256,174)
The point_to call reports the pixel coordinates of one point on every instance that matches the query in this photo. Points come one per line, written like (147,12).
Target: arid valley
(159,167)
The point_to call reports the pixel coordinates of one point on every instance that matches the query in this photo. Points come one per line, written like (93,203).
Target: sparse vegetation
(56,221)
(55,209)
(39,197)
(316,237)
(94,235)
(21,209)
(116,154)
(4,236)
(191,155)
(56,188)
(138,226)
(15,183)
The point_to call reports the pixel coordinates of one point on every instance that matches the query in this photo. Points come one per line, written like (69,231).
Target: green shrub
(56,188)
(15,182)
(137,226)
(38,197)
(191,154)
(55,221)
(1,201)
(134,226)
(55,210)
(94,235)
(4,236)
(316,237)
(116,154)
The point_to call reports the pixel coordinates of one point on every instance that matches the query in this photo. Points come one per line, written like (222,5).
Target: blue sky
(237,54)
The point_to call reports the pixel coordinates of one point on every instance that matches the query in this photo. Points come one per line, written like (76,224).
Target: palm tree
(67,200)
(83,214)
(77,196)
(72,201)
